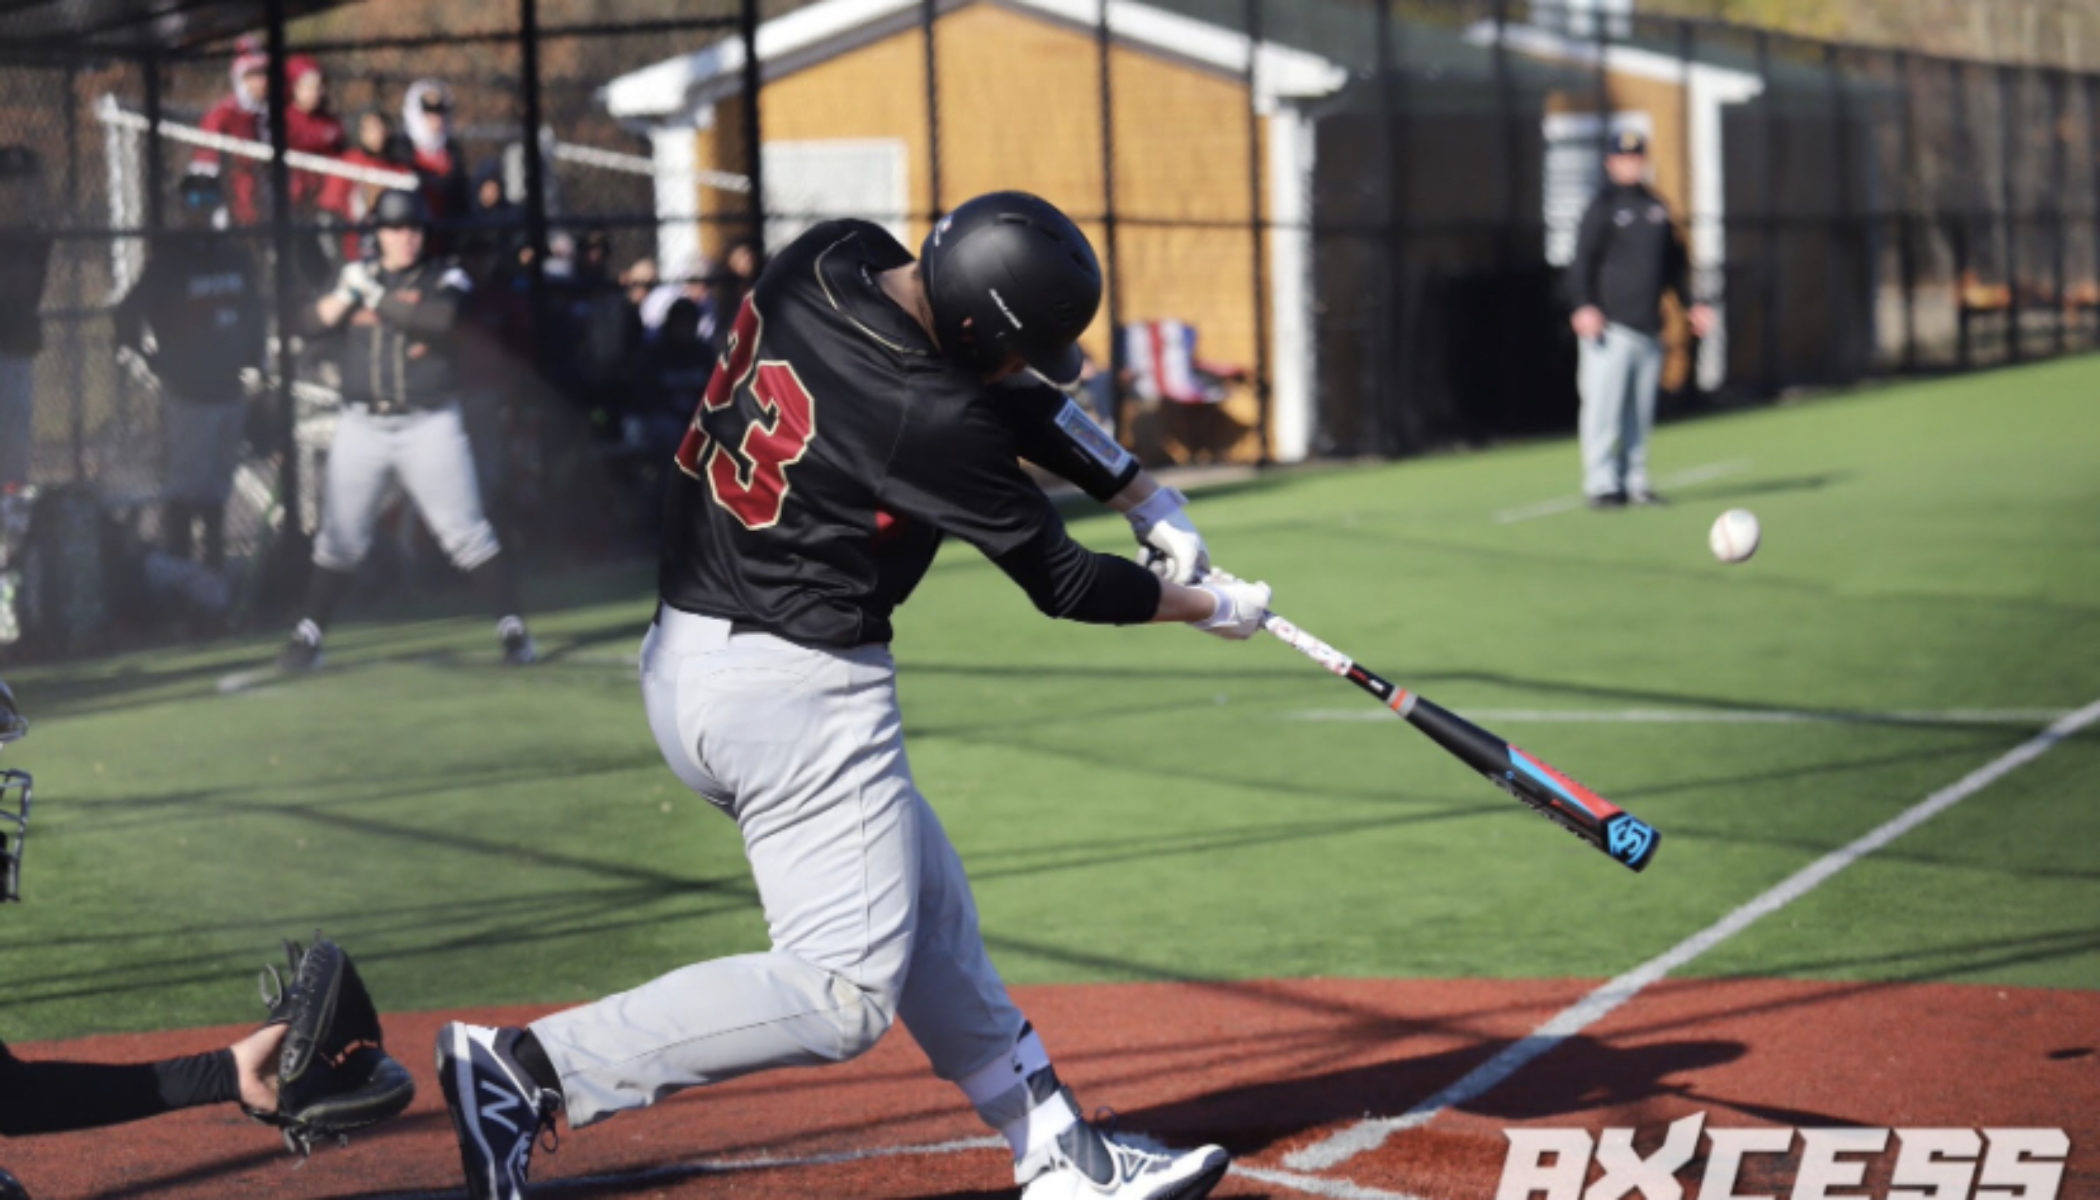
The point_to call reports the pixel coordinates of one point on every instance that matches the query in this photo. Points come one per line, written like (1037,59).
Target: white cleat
(1086,1163)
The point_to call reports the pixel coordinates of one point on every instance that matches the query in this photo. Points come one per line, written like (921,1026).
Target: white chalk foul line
(1714,716)
(1319,1185)
(1561,504)
(1369,1134)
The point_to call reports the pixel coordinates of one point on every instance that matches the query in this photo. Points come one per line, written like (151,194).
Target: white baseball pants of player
(870,913)
(427,450)
(1617,376)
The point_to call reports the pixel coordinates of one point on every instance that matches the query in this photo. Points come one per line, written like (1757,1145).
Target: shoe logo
(496,1102)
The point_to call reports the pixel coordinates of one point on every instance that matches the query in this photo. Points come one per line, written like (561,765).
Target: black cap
(1626,141)
(398,207)
(1008,273)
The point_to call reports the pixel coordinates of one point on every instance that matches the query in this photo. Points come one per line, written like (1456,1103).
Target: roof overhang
(676,89)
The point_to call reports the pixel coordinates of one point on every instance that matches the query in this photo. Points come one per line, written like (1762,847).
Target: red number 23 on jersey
(755,490)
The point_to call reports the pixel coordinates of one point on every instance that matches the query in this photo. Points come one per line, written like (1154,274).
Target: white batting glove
(1174,551)
(1241,606)
(357,285)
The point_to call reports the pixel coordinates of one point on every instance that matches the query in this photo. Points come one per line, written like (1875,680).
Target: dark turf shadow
(1579,1075)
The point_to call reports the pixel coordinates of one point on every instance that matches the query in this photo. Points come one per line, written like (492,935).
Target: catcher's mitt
(11,1188)
(333,1074)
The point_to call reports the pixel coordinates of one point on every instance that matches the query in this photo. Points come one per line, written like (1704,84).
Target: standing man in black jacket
(199,300)
(1627,255)
(25,257)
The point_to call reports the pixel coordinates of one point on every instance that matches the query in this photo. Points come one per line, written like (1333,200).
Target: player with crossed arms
(866,406)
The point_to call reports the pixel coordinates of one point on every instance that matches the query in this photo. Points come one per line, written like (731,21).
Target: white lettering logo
(1931,1164)
(1001,302)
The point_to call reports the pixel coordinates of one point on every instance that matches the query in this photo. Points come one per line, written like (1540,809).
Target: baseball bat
(1532,780)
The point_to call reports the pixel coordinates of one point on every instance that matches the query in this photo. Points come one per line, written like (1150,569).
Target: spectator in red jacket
(309,126)
(243,114)
(426,117)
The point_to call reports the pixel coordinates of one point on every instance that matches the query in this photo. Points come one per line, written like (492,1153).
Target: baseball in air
(1734,535)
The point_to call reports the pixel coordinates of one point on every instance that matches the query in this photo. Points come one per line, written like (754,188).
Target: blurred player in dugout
(196,316)
(1627,254)
(398,319)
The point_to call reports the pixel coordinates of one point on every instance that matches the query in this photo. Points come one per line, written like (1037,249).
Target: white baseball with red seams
(1734,536)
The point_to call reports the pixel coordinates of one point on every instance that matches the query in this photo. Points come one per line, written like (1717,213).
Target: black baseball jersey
(835,446)
(1627,255)
(403,359)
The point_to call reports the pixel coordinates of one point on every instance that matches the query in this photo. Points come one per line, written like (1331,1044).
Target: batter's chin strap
(14,831)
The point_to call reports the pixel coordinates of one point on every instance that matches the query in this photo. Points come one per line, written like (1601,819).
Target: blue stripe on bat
(1532,769)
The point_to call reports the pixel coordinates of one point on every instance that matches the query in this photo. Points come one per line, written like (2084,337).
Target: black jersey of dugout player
(403,360)
(1627,254)
(198,296)
(835,446)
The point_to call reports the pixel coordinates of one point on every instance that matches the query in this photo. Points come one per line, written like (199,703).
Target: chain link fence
(1331,227)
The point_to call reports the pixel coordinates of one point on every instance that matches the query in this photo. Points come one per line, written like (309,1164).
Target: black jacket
(1626,256)
(198,294)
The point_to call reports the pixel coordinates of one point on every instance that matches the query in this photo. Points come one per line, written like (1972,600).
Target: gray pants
(1618,378)
(428,452)
(869,911)
(17,418)
(201,444)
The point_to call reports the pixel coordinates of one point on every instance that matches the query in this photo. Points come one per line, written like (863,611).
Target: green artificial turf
(1152,803)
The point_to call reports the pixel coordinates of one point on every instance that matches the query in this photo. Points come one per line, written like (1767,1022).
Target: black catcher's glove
(11,1188)
(333,1074)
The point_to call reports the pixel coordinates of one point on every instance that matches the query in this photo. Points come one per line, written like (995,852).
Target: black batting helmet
(1008,273)
(398,207)
(14,807)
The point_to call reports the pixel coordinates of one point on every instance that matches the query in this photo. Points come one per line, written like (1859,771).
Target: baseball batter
(401,420)
(867,405)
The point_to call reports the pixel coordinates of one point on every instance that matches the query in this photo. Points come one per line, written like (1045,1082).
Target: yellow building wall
(1020,108)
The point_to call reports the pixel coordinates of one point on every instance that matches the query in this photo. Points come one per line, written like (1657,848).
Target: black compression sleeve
(51,1097)
(1068,581)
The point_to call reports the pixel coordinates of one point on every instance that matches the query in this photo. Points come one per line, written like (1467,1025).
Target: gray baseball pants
(427,450)
(869,911)
(1618,377)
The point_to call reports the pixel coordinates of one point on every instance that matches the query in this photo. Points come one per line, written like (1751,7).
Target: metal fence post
(755,165)
(2092,134)
(2059,181)
(1906,223)
(1103,44)
(1964,143)
(281,276)
(1768,220)
(929,14)
(535,172)
(74,378)
(155,162)
(1254,229)
(1383,390)
(2008,208)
